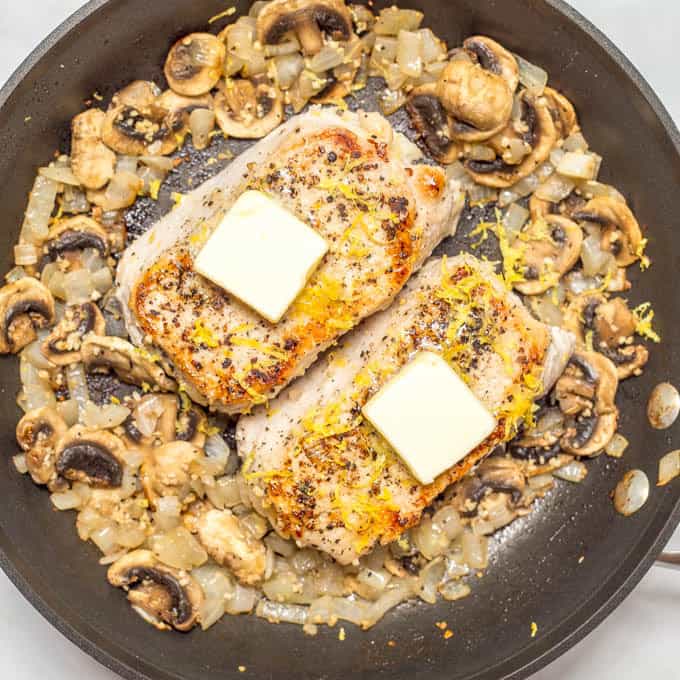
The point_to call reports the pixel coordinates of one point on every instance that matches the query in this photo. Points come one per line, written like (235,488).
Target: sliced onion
(631,492)
(591,189)
(475,550)
(102,280)
(555,189)
(276,612)
(167,515)
(122,191)
(78,287)
(105,538)
(74,201)
(409,59)
(392,20)
(432,48)
(255,524)
(669,468)
(384,51)
(326,58)
(40,206)
(290,46)
(575,472)
(147,413)
(575,142)
(287,69)
(545,309)
(15,274)
(25,254)
(20,463)
(61,174)
(521,189)
(217,587)
(280,545)
(617,446)
(201,124)
(430,539)
(66,500)
(391,101)
(242,601)
(179,549)
(453,590)
(448,520)
(33,354)
(161,163)
(68,410)
(127,164)
(577,283)
(430,577)
(373,582)
(515,218)
(663,406)
(104,417)
(531,76)
(595,260)
(76,381)
(578,165)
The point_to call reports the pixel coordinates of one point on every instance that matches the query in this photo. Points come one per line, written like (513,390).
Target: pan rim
(620,584)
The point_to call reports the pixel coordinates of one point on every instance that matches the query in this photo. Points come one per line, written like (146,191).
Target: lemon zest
(644,315)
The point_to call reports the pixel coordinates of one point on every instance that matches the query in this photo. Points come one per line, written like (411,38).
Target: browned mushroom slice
(586,393)
(194,64)
(611,326)
(479,101)
(132,365)
(432,124)
(76,233)
(537,130)
(94,457)
(25,306)
(562,112)
(38,433)
(248,111)
(91,161)
(62,345)
(549,248)
(540,208)
(621,233)
(493,57)
(176,103)
(307,19)
(164,596)
(231,544)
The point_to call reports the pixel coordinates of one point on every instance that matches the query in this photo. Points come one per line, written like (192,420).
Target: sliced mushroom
(94,457)
(586,392)
(166,597)
(76,233)
(307,19)
(230,543)
(194,64)
(562,112)
(176,103)
(621,233)
(25,306)
(612,326)
(62,345)
(540,208)
(536,128)
(550,247)
(169,470)
(479,101)
(493,57)
(91,161)
(132,365)
(432,123)
(248,111)
(136,124)
(38,433)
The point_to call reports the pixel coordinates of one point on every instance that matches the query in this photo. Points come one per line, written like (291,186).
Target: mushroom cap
(493,57)
(194,64)
(480,101)
(91,456)
(168,596)
(541,136)
(432,123)
(621,233)
(308,19)
(587,392)
(562,112)
(132,365)
(25,306)
(248,111)
(62,345)
(169,469)
(551,246)
(173,102)
(92,162)
(76,233)
(37,434)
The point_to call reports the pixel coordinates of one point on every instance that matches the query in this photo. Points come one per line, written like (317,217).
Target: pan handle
(669,560)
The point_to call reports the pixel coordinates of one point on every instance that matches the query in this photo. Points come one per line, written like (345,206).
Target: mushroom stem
(310,37)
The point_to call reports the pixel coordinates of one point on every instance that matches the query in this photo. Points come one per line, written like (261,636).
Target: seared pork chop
(350,177)
(324,476)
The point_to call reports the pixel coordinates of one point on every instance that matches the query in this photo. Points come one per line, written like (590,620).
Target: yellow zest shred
(115,400)
(644,315)
(154,189)
(645,262)
(227,13)
(589,341)
(203,336)
(534,629)
(176,198)
(260,347)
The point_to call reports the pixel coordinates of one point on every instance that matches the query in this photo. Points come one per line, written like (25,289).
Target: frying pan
(535,572)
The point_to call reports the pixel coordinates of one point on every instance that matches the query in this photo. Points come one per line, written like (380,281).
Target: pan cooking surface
(563,567)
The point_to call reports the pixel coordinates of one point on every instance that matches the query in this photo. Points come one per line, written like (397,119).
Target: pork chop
(348,175)
(324,476)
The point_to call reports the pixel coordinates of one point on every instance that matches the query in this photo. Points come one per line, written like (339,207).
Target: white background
(640,639)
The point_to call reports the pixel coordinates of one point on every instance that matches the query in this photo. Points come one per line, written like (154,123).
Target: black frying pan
(535,574)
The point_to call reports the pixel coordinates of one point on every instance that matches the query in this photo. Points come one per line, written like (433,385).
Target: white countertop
(637,641)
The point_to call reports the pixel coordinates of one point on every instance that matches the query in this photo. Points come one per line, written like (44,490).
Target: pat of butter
(262,254)
(429,416)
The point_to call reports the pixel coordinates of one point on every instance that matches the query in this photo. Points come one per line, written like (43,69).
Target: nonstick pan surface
(536,572)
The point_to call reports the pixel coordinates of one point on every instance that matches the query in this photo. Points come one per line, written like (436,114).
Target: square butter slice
(262,254)
(429,416)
